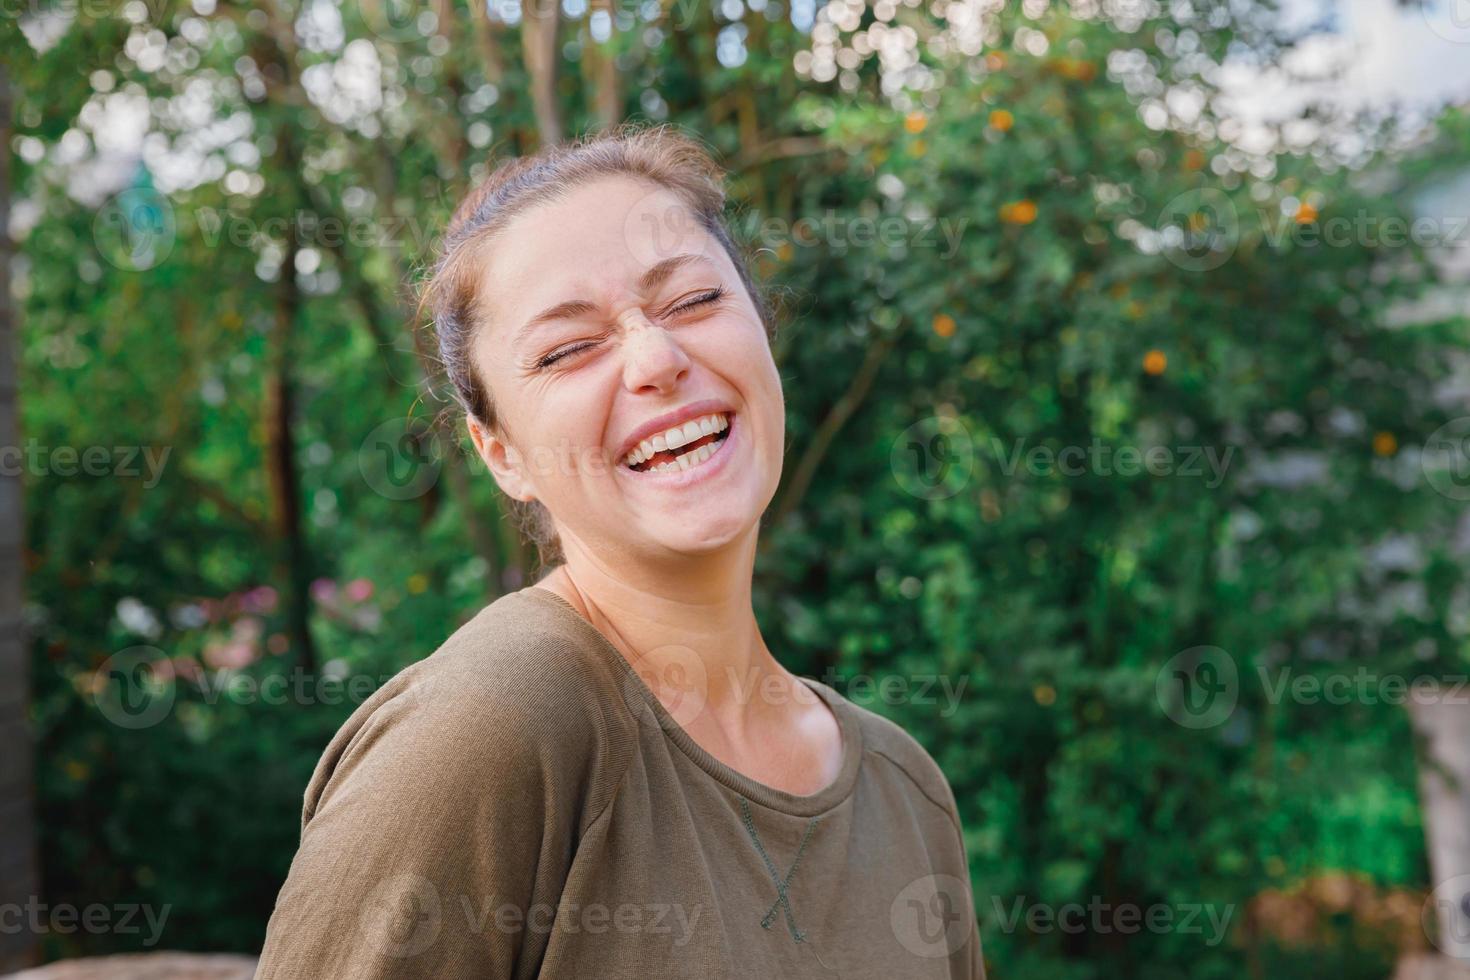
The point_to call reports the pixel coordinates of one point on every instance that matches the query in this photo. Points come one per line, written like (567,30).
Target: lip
(662,423)
(710,468)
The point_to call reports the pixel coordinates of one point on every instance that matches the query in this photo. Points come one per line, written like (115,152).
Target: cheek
(758,368)
(741,343)
(741,353)
(565,423)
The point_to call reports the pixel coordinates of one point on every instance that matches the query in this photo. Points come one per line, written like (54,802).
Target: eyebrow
(651,279)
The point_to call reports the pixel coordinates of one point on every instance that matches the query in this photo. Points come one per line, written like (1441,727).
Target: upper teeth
(676,437)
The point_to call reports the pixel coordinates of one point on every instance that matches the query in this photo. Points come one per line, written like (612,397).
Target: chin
(706,535)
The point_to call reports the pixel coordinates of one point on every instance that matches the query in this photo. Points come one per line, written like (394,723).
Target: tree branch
(842,410)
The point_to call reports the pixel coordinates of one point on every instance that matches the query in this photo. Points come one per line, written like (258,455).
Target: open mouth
(681,448)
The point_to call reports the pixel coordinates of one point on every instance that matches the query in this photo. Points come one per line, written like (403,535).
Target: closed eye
(703,299)
(557,355)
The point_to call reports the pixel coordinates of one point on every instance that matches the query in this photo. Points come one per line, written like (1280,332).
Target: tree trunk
(489,45)
(276,47)
(18,877)
(280,442)
(602,76)
(539,38)
(1443,725)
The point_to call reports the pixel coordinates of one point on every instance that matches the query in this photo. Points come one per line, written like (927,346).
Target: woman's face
(609,320)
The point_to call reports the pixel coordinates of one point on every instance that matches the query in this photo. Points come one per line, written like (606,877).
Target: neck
(689,630)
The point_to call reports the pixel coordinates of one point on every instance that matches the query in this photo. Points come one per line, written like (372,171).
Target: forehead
(591,243)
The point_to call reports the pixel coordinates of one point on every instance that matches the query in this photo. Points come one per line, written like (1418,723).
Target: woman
(608,774)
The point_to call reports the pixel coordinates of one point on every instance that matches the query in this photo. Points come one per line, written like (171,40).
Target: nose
(652,358)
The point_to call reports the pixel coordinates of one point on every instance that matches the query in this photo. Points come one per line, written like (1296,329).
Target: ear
(502,460)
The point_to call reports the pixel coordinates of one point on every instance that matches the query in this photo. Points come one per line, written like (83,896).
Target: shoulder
(514,701)
(521,660)
(472,772)
(896,754)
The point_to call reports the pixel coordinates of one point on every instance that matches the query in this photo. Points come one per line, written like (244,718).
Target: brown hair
(659,155)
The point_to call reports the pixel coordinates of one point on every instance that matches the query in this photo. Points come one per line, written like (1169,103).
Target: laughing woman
(608,774)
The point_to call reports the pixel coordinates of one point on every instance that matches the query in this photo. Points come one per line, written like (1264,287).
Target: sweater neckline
(638,696)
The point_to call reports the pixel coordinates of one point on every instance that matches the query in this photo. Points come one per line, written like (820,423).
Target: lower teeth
(693,459)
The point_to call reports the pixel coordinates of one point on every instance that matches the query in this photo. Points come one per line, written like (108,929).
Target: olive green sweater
(521,805)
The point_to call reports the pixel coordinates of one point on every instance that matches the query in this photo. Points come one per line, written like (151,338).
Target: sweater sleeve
(436,836)
(975,956)
(976,953)
(951,864)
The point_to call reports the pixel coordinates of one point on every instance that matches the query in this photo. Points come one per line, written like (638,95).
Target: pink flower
(260,600)
(360,590)
(229,656)
(324,590)
(248,629)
